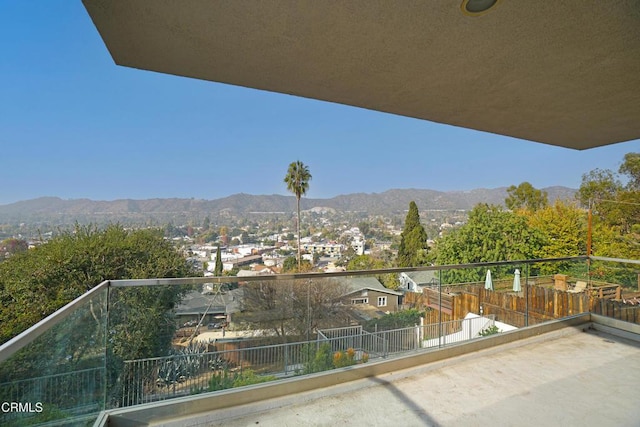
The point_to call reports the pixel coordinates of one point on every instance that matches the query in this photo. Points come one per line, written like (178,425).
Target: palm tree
(297,180)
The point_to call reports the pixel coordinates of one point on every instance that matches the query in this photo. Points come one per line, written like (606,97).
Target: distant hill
(386,203)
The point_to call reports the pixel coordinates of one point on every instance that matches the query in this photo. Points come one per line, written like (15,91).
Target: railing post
(286,357)
(440,308)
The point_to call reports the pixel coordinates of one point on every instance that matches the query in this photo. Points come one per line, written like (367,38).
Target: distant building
(259,270)
(414,281)
(230,264)
(329,249)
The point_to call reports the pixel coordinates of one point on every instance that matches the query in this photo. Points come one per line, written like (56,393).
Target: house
(213,306)
(414,281)
(368,291)
(259,270)
(230,264)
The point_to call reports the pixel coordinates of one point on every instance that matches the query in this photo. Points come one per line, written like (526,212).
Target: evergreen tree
(217,271)
(413,241)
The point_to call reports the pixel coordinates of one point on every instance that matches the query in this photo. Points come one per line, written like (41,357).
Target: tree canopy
(369,262)
(630,168)
(525,196)
(490,234)
(614,203)
(35,283)
(12,246)
(140,323)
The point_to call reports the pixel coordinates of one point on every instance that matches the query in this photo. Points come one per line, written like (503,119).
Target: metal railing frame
(13,345)
(376,346)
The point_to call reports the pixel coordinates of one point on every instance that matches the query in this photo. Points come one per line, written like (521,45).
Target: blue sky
(75,125)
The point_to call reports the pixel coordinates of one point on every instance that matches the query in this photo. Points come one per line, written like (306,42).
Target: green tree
(490,234)
(320,358)
(209,235)
(297,180)
(617,205)
(599,184)
(631,168)
(525,196)
(629,199)
(368,262)
(38,282)
(291,265)
(206,223)
(413,240)
(365,262)
(564,227)
(365,228)
(217,270)
(398,320)
(12,246)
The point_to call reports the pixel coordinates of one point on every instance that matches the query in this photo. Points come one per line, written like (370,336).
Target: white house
(414,281)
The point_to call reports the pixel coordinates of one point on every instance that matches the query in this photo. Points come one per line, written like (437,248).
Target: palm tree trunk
(298,225)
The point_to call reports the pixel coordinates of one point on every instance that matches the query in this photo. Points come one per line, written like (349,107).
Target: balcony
(67,369)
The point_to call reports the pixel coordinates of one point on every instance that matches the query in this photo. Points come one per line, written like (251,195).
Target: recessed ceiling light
(477,7)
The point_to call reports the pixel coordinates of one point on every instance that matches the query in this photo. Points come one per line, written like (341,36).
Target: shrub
(320,360)
(224,379)
(491,330)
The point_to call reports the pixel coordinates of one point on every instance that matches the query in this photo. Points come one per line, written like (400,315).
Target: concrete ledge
(616,327)
(193,405)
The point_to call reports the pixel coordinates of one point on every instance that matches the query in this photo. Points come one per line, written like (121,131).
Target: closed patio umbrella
(488,284)
(516,281)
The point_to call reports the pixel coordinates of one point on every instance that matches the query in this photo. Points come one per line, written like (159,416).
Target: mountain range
(386,203)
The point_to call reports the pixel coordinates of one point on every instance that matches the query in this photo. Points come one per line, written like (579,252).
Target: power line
(617,201)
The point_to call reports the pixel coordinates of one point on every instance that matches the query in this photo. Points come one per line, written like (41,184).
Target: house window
(382,301)
(360,301)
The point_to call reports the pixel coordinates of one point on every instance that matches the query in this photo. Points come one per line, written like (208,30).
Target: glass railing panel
(604,272)
(257,329)
(556,289)
(168,338)
(206,334)
(59,377)
(143,325)
(615,288)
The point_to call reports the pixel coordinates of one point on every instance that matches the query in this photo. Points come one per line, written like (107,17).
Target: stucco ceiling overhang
(565,73)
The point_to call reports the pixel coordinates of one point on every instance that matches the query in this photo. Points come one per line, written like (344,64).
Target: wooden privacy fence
(544,303)
(617,310)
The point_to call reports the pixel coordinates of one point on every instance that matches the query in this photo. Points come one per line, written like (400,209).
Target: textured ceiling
(565,73)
